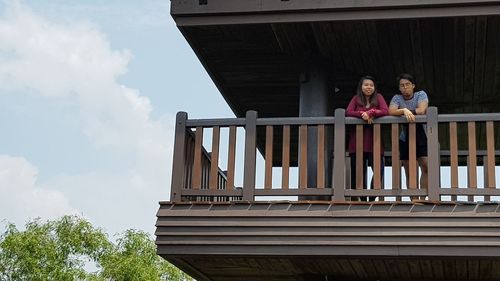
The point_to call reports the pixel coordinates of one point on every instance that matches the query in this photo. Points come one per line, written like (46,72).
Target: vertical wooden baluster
(359,157)
(377,180)
(197,169)
(189,160)
(453,158)
(268,178)
(285,169)
(396,163)
(231,157)
(472,167)
(412,158)
(490,147)
(303,156)
(321,157)
(214,159)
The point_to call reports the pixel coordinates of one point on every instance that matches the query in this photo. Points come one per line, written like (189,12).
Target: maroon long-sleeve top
(355,109)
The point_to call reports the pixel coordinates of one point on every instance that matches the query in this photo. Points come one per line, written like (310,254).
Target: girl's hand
(370,120)
(365,116)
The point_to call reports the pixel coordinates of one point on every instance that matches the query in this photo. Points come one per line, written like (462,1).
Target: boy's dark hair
(406,76)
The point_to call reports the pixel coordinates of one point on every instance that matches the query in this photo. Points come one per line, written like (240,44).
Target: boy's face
(406,88)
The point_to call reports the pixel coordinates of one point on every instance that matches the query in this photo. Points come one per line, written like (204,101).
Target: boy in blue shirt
(409,104)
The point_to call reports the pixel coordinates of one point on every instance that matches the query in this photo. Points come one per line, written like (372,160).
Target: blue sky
(88,95)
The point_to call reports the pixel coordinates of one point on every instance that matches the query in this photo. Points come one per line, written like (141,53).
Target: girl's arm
(351,108)
(382,109)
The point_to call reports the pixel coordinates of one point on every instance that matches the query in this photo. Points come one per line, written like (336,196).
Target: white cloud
(22,197)
(74,61)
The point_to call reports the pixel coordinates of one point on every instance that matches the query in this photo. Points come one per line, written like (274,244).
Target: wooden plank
(490,58)
(321,157)
(231,157)
(412,158)
(490,148)
(396,164)
(485,176)
(404,269)
(473,269)
(375,45)
(394,47)
(268,175)
(416,47)
(377,181)
(303,156)
(447,54)
(370,269)
(461,269)
(359,157)
(426,266)
(354,45)
(486,270)
(214,158)
(479,57)
(367,47)
(285,166)
(359,269)
(453,158)
(426,28)
(469,49)
(496,73)
(472,165)
(197,158)
(436,37)
(437,269)
(381,269)
(458,40)
(415,271)
(405,38)
(189,161)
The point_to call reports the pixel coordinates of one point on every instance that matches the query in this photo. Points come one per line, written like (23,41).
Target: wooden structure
(278,62)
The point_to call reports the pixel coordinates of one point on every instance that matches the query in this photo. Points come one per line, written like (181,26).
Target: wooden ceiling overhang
(255,50)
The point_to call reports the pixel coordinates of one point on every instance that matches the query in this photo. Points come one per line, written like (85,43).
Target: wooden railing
(310,164)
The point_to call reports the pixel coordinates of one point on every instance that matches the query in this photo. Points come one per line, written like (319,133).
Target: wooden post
(339,156)
(433,164)
(179,157)
(250,159)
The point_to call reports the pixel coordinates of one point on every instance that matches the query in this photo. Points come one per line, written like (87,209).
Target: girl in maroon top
(366,104)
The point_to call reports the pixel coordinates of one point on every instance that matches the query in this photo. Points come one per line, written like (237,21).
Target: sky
(89,90)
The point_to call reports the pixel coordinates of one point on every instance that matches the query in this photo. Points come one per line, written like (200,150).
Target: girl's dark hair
(372,100)
(406,76)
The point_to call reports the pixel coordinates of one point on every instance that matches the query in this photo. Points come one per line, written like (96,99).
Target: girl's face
(406,88)
(367,87)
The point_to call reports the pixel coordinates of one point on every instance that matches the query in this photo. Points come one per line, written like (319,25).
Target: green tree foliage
(62,249)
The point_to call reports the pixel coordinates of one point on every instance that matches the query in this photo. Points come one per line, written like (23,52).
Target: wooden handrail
(281,130)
